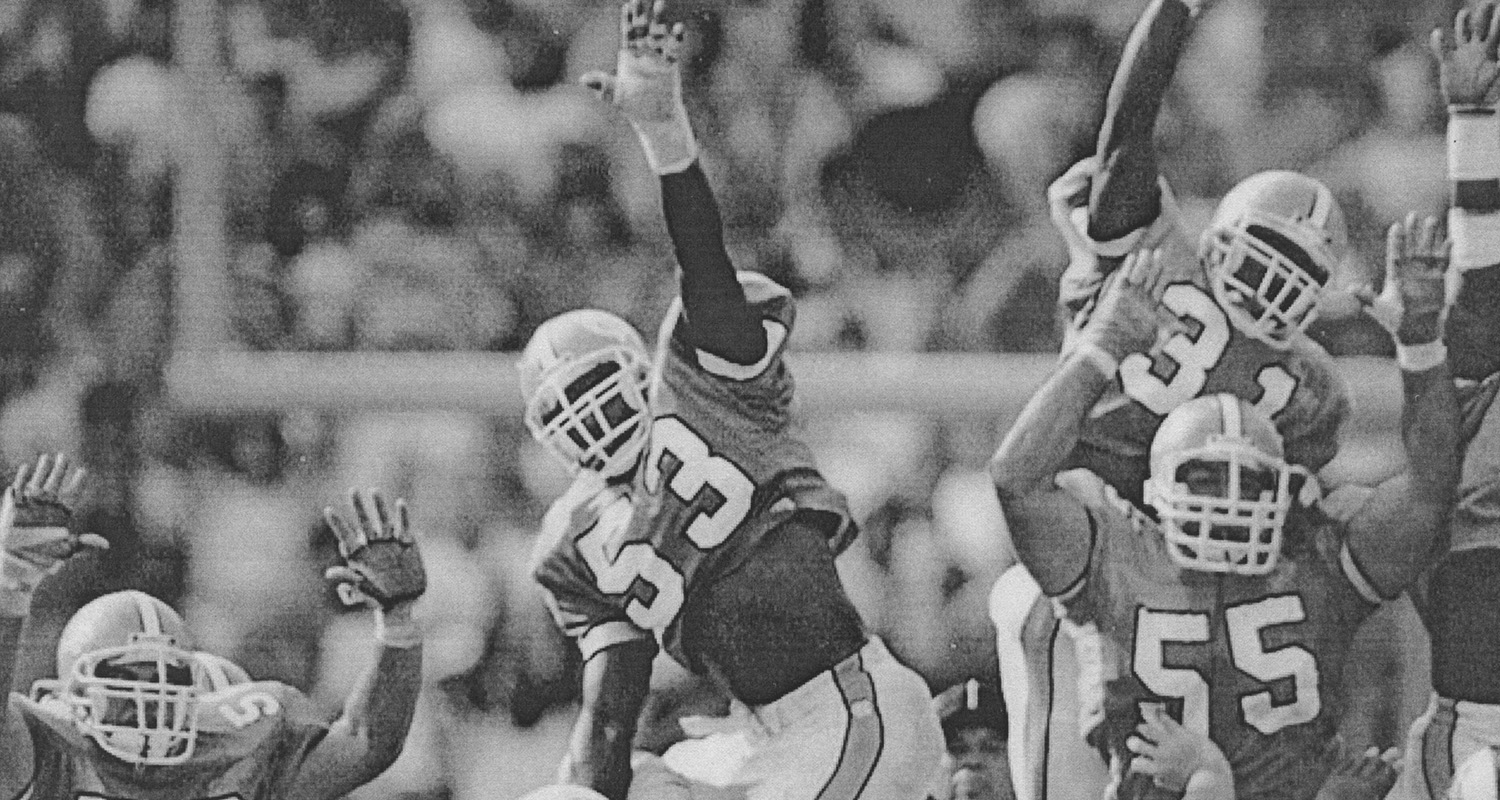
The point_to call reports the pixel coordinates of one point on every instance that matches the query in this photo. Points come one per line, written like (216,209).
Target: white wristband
(1475,237)
(1107,364)
(670,146)
(397,628)
(1473,146)
(1421,357)
(15,602)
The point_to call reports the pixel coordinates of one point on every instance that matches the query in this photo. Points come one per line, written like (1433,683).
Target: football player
(1240,299)
(1042,668)
(1244,292)
(698,519)
(1233,607)
(136,713)
(1459,599)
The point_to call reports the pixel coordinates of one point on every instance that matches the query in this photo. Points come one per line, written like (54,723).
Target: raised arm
(383,569)
(1404,523)
(647,89)
(1469,71)
(34,543)
(1124,196)
(1048,527)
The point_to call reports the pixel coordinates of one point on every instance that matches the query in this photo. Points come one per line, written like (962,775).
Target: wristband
(670,146)
(397,628)
(15,602)
(1421,357)
(1107,364)
(1473,145)
(1475,237)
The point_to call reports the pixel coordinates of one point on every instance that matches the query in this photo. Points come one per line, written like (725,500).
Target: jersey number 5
(1178,370)
(1156,630)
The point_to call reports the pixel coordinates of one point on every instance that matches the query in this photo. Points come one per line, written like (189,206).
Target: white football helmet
(126,669)
(1274,242)
(1220,486)
(584,375)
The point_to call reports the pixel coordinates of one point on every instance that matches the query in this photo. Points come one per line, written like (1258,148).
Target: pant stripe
(864,734)
(1437,749)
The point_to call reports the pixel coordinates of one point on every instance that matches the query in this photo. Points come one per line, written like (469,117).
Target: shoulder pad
(50,720)
(573,511)
(255,705)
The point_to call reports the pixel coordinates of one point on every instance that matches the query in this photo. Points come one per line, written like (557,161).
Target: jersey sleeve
(1318,407)
(579,607)
(1121,539)
(581,611)
(1332,540)
(760,393)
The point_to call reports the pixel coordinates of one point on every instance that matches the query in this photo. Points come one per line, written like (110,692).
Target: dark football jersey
(1296,387)
(1253,662)
(251,740)
(723,465)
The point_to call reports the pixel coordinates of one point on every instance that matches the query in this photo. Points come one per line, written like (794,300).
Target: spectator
(975,725)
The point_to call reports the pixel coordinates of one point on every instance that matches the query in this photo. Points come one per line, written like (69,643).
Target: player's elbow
(1012,480)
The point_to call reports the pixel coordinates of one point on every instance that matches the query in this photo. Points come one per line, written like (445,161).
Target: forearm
(379,710)
(599,754)
(1049,426)
(1124,196)
(1429,433)
(15,606)
(615,682)
(1473,326)
(10,646)
(719,320)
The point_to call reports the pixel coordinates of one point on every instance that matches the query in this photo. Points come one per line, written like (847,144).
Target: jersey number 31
(1178,370)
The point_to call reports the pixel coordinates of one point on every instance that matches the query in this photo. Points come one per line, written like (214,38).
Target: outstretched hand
(647,84)
(1129,316)
(34,515)
(1468,68)
(383,565)
(1359,776)
(1410,305)
(1171,754)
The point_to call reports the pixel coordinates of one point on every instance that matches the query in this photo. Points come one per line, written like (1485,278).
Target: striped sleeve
(1474,169)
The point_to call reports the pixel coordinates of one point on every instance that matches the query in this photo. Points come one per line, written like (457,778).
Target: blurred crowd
(427,175)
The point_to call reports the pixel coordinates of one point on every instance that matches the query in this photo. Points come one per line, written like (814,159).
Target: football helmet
(126,669)
(1275,240)
(584,375)
(1220,486)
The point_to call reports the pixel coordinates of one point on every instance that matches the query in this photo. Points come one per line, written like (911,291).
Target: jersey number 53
(716,495)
